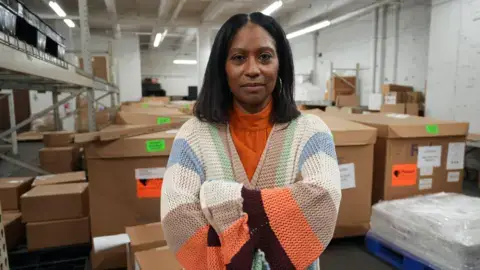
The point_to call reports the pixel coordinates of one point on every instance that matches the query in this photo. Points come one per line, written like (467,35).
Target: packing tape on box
(102,243)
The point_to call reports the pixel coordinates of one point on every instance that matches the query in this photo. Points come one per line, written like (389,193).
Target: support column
(315,59)
(374,50)
(13,121)
(204,47)
(56,111)
(396,10)
(382,47)
(87,60)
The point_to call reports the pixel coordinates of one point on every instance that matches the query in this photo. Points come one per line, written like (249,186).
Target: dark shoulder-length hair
(216,100)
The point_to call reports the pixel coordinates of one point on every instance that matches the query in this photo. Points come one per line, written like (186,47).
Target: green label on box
(432,129)
(163,120)
(144,105)
(155,146)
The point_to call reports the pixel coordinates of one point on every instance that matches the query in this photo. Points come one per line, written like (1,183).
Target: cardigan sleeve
(292,225)
(188,234)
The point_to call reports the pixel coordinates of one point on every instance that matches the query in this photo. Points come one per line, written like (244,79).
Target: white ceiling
(180,17)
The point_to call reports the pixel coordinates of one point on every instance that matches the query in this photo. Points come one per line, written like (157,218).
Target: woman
(251,183)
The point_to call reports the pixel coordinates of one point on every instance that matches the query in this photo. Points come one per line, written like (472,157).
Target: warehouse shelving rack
(23,66)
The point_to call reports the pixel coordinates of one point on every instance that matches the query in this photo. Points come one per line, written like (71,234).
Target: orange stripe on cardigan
(291,228)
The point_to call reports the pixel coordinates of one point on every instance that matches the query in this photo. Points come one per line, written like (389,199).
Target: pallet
(394,255)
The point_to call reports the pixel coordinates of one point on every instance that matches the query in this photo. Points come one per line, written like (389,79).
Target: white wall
(350,42)
(175,79)
(454,62)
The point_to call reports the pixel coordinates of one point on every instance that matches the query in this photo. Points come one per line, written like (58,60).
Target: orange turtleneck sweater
(250,134)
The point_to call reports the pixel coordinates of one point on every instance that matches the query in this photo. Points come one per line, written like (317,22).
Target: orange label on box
(404,175)
(149,182)
(149,188)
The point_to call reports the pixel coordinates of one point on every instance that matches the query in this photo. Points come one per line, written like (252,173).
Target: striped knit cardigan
(215,218)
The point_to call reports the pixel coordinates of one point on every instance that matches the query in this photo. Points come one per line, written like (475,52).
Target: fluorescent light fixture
(273,7)
(156,41)
(69,22)
(159,38)
(309,29)
(54,5)
(184,62)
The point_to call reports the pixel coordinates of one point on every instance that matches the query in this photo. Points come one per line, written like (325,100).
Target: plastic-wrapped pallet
(442,229)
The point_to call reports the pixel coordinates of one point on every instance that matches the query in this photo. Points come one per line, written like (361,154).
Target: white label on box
(149,173)
(390,99)
(44,177)
(455,156)
(425,183)
(15,181)
(102,243)
(453,177)
(426,171)
(347,175)
(375,101)
(172,131)
(429,156)
(398,115)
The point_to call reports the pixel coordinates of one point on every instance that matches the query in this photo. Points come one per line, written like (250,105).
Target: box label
(426,171)
(425,183)
(163,120)
(172,131)
(149,182)
(453,177)
(432,129)
(144,105)
(398,115)
(429,156)
(456,156)
(347,175)
(404,175)
(153,146)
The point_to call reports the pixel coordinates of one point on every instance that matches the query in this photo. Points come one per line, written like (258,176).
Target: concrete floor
(342,254)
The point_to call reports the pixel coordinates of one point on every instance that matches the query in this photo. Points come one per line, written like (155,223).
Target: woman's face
(252,67)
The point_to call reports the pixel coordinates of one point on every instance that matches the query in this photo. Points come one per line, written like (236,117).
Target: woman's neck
(252,109)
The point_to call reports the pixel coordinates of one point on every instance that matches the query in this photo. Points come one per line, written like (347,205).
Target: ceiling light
(69,22)
(184,62)
(272,8)
(54,5)
(309,29)
(158,38)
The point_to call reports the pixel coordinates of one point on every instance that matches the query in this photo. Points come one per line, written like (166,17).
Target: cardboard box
(391,98)
(58,233)
(386,88)
(157,259)
(143,237)
(125,178)
(412,109)
(109,252)
(62,178)
(59,159)
(11,189)
(14,229)
(415,155)
(354,145)
(129,118)
(347,101)
(393,108)
(55,202)
(415,97)
(58,139)
(103,119)
(375,101)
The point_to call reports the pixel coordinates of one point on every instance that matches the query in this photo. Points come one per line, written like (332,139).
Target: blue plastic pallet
(394,255)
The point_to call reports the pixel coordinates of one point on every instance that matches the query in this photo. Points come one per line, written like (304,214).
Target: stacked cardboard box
(342,86)
(401,100)
(415,155)
(149,260)
(125,177)
(142,238)
(56,215)
(4,262)
(62,178)
(10,191)
(60,154)
(103,117)
(354,146)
